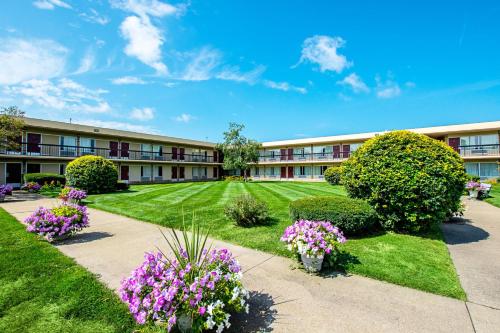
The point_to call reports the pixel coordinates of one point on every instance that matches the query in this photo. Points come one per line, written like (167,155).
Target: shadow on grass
(260,317)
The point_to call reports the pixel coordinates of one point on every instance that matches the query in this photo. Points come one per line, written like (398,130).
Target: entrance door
(13,174)
(283,172)
(124,172)
(290,172)
(181,173)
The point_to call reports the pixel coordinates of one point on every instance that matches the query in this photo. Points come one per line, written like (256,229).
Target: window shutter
(454,143)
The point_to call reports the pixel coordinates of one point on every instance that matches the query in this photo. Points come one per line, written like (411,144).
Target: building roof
(431,131)
(118,134)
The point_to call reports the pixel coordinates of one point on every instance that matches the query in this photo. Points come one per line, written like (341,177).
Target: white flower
(210,309)
(210,323)
(247,309)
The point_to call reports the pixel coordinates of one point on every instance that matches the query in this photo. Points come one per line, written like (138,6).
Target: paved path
(283,299)
(474,244)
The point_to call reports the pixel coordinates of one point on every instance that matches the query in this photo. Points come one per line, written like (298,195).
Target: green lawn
(41,290)
(418,262)
(494,198)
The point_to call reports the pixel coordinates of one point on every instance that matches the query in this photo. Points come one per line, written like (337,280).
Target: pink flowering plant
(31,187)
(59,222)
(314,239)
(71,194)
(196,290)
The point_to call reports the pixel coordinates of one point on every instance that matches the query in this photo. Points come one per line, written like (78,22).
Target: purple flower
(202,310)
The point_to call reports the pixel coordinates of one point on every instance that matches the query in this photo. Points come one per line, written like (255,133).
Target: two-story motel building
(47,146)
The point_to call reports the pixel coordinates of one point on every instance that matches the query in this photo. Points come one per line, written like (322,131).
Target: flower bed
(59,222)
(31,187)
(194,295)
(313,241)
(5,190)
(72,194)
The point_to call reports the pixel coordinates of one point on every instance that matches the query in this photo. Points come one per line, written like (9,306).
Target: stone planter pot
(61,238)
(312,264)
(185,324)
(2,198)
(473,194)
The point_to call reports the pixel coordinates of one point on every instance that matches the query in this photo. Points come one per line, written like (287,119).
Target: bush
(44,178)
(246,211)
(411,180)
(93,174)
(333,174)
(352,216)
(122,186)
(31,187)
(234,178)
(473,178)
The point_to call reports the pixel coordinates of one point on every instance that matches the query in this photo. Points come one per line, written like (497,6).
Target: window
(302,171)
(146,150)
(87,146)
(145,171)
(483,170)
(272,172)
(490,139)
(322,151)
(257,171)
(158,172)
(157,152)
(322,169)
(68,145)
(33,168)
(355,146)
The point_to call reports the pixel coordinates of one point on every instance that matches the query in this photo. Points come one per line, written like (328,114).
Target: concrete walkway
(474,244)
(282,299)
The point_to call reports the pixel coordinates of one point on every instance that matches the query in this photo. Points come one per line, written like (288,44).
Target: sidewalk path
(474,244)
(283,299)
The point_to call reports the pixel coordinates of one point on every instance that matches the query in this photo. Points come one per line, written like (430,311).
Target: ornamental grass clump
(313,241)
(59,222)
(195,290)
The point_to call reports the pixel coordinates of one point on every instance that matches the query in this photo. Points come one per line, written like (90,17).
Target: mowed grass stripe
(173,198)
(274,187)
(325,188)
(298,188)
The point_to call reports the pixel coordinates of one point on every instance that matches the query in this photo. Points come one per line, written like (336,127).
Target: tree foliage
(11,126)
(239,152)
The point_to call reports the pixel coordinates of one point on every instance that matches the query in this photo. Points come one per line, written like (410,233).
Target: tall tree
(239,152)
(11,126)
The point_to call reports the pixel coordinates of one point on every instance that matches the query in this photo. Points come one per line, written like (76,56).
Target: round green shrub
(411,180)
(93,174)
(246,211)
(333,174)
(352,216)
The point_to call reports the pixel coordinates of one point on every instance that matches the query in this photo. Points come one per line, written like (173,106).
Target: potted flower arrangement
(31,187)
(59,222)
(195,290)
(5,190)
(313,241)
(474,188)
(71,194)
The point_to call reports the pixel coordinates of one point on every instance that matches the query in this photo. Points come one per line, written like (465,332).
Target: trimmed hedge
(93,174)
(122,186)
(352,216)
(333,175)
(42,178)
(410,179)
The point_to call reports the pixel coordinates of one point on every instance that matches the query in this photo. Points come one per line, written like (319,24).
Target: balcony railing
(327,156)
(479,150)
(50,150)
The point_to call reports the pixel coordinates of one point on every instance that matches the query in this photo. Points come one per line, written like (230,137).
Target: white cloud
(128,80)
(144,42)
(284,86)
(50,4)
(387,89)
(323,51)
(64,95)
(355,83)
(232,73)
(93,16)
(202,65)
(118,125)
(184,118)
(147,7)
(22,60)
(142,114)
(410,84)
(87,63)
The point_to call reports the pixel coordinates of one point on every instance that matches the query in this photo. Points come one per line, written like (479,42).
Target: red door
(216,172)
(113,148)
(282,154)
(34,141)
(181,172)
(336,151)
(174,153)
(216,158)
(124,172)
(181,155)
(124,149)
(174,172)
(454,143)
(290,172)
(283,172)
(346,150)
(290,154)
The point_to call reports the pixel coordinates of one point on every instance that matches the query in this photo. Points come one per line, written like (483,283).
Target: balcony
(49,150)
(479,150)
(307,157)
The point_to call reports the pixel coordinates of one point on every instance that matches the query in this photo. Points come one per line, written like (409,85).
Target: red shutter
(290,172)
(174,172)
(336,151)
(124,172)
(124,149)
(181,154)
(34,142)
(174,153)
(216,158)
(113,148)
(282,154)
(454,143)
(290,154)
(283,172)
(346,150)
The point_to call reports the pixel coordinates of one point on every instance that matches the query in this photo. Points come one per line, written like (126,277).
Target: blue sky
(285,69)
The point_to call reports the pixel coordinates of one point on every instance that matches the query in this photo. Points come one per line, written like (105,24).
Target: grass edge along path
(421,262)
(42,290)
